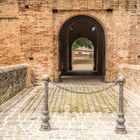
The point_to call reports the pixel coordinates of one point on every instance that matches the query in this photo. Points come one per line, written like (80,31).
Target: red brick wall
(32,36)
(134,41)
(10,52)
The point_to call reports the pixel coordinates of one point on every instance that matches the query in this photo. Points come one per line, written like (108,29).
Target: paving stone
(25,124)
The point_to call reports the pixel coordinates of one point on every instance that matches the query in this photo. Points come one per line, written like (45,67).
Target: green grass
(99,102)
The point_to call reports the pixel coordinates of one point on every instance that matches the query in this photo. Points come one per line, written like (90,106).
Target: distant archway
(77,27)
(83,55)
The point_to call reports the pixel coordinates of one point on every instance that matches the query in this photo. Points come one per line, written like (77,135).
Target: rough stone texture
(29,32)
(12,80)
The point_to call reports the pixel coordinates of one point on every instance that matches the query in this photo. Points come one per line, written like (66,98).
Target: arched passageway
(82,55)
(77,27)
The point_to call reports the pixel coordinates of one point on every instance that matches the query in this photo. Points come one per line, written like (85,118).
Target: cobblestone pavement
(20,116)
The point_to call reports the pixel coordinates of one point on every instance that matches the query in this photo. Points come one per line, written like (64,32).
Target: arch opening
(82,55)
(82,27)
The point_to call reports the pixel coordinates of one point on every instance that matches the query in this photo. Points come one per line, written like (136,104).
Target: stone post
(120,127)
(45,125)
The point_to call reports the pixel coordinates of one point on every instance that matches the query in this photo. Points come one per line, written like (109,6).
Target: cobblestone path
(64,101)
(73,117)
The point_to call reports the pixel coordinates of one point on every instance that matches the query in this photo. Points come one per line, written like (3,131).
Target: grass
(105,102)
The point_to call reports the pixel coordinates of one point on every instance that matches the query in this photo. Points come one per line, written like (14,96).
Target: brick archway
(81,26)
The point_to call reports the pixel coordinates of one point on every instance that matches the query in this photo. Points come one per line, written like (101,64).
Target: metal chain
(78,92)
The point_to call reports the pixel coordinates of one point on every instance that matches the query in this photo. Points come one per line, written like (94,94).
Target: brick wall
(134,41)
(12,80)
(10,52)
(31,33)
(132,75)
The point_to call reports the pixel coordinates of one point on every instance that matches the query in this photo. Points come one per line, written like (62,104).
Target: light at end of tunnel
(93,29)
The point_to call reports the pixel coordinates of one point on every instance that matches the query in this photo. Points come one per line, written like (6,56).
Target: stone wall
(13,79)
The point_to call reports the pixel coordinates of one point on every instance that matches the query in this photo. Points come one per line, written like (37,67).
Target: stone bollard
(120,127)
(45,125)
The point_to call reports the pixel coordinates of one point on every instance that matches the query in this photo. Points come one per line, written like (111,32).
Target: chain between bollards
(120,127)
(45,125)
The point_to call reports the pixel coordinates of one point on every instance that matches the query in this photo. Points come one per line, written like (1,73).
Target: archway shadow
(76,27)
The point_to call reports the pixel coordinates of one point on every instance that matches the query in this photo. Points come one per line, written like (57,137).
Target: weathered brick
(29,32)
